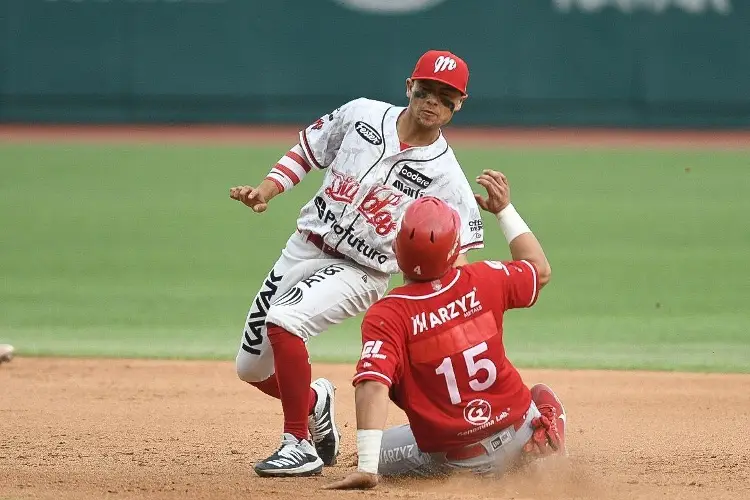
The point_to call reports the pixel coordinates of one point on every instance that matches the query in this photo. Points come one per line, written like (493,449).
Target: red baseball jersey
(439,347)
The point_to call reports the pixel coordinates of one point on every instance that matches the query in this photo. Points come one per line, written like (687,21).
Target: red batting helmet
(426,245)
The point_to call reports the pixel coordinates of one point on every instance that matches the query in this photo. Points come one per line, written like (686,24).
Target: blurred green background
(137,251)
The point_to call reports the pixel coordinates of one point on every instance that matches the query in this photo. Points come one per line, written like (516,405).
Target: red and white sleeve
(290,169)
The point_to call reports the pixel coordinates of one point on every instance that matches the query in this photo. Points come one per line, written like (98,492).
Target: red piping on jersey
(309,151)
(472,245)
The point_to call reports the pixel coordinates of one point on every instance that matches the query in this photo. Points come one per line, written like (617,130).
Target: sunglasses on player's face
(446,95)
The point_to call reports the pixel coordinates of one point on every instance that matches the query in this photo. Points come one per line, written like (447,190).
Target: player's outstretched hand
(498,191)
(354,481)
(250,196)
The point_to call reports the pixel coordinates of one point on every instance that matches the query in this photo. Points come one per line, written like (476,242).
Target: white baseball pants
(305,292)
(400,455)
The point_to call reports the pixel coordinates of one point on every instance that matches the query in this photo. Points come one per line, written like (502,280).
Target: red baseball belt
(476,449)
(317,240)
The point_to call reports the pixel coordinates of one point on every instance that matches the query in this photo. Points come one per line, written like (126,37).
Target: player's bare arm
(285,174)
(521,241)
(256,198)
(371,399)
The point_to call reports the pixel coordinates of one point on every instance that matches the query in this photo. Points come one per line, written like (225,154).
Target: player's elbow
(545,273)
(368,391)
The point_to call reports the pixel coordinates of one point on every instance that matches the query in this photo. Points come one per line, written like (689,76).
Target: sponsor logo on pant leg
(294,295)
(392,455)
(253,334)
(291,298)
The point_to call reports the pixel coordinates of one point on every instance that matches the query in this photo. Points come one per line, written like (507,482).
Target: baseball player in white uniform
(376,158)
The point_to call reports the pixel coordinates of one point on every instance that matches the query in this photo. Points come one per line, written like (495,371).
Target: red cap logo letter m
(444,63)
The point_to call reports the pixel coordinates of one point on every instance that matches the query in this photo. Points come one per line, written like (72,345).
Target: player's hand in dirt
(250,196)
(498,191)
(354,481)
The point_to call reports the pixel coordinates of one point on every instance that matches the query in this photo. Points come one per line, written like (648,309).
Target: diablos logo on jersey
(342,188)
(318,124)
(375,209)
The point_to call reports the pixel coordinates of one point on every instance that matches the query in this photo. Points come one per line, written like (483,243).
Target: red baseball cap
(444,67)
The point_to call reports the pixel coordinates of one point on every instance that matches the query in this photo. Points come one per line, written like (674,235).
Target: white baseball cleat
(325,435)
(6,353)
(294,458)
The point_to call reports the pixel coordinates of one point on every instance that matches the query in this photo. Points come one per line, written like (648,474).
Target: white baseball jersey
(370,179)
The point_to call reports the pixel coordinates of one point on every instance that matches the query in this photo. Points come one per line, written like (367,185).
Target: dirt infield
(457,136)
(91,429)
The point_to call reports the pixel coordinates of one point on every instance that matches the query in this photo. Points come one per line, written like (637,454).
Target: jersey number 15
(474,366)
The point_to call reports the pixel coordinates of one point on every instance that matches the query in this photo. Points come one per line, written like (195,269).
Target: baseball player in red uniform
(376,159)
(435,347)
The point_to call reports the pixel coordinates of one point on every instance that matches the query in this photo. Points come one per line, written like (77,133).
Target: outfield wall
(645,63)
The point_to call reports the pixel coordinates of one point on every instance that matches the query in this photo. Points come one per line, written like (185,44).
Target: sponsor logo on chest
(409,191)
(359,244)
(476,225)
(411,175)
(459,308)
(368,133)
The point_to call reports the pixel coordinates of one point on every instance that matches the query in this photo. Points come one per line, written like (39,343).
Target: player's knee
(286,318)
(249,369)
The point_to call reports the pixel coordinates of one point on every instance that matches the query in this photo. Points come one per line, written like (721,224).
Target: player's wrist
(269,188)
(511,223)
(368,450)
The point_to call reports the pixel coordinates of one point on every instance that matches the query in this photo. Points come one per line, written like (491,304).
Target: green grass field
(137,251)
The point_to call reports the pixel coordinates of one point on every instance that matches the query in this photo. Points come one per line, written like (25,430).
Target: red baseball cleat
(543,396)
